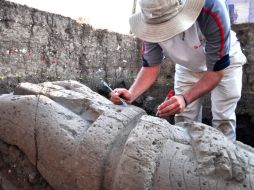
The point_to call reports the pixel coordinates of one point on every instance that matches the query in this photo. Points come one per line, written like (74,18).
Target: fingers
(120,92)
(173,106)
(169,110)
(115,97)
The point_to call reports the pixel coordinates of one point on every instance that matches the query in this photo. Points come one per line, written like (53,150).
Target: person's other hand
(174,105)
(120,92)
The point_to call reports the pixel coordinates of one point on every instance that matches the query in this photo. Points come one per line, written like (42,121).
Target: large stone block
(78,139)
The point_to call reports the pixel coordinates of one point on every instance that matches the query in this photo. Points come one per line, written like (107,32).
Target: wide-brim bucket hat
(160,20)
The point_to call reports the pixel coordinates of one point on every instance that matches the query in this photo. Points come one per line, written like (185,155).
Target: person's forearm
(144,80)
(207,83)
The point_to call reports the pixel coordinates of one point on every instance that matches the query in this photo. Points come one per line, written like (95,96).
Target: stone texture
(78,139)
(37,46)
(62,117)
(17,172)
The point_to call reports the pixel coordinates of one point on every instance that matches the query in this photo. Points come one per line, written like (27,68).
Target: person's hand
(174,105)
(120,92)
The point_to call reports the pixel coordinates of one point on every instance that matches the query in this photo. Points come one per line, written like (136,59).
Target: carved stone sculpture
(78,139)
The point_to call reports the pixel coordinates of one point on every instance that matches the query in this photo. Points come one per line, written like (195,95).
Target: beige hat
(160,20)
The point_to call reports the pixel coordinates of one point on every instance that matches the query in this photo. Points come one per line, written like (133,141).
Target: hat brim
(166,30)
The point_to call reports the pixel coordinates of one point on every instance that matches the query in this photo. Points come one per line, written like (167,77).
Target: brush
(169,95)
(111,90)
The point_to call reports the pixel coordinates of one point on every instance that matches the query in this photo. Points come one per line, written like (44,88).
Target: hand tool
(122,100)
(169,95)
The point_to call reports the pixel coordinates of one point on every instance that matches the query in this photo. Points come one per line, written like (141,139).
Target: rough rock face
(78,139)
(17,172)
(37,46)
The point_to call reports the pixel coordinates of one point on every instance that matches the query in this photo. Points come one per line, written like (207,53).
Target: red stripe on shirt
(217,20)
(143,49)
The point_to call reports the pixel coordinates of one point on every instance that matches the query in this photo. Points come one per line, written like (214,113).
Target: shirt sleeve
(214,23)
(152,54)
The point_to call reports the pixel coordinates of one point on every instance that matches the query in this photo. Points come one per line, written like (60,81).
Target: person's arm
(206,84)
(144,80)
(151,59)
(176,104)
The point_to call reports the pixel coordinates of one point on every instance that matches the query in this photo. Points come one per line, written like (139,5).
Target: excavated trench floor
(17,172)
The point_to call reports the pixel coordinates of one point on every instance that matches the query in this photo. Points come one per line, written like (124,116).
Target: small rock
(32,177)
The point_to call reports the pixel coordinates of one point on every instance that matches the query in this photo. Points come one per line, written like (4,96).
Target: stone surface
(37,46)
(17,172)
(78,139)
